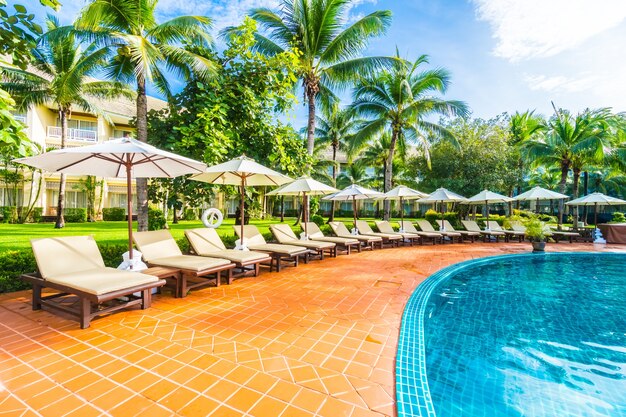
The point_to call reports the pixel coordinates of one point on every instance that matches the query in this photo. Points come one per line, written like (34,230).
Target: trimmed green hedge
(113,214)
(75,215)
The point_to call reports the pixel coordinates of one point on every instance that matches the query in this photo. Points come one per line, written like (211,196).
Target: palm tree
(523,127)
(335,129)
(62,75)
(571,143)
(399,102)
(142,50)
(328,51)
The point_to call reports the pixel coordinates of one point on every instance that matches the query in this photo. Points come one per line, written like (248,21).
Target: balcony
(78,135)
(20,118)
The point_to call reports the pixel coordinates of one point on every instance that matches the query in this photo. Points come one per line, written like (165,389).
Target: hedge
(113,214)
(75,215)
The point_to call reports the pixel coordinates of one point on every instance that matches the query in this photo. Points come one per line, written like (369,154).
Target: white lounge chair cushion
(240,256)
(103,280)
(189,262)
(251,234)
(205,241)
(156,244)
(278,248)
(65,255)
(336,240)
(313,244)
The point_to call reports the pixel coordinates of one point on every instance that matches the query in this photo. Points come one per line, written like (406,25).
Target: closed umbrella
(354,192)
(441,195)
(487,197)
(241,171)
(596,199)
(306,186)
(123,158)
(402,193)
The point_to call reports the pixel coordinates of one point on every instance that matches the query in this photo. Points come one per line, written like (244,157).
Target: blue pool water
(520,335)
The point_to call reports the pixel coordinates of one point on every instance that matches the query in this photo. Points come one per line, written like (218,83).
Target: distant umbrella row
(128,158)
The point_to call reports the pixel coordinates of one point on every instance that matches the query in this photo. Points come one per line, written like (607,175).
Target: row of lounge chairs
(74,266)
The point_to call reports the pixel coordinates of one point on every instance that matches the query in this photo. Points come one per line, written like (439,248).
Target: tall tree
(335,129)
(142,50)
(64,76)
(329,51)
(570,143)
(523,127)
(400,102)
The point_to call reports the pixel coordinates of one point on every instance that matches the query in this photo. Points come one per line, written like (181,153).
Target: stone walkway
(319,339)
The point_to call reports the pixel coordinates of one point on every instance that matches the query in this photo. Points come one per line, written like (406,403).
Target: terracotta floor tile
(200,406)
(160,389)
(243,399)
(268,406)
(178,398)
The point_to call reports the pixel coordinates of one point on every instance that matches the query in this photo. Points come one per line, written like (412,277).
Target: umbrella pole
(595,215)
(354,209)
(241,208)
(306,214)
(401,214)
(129,209)
(487,207)
(442,216)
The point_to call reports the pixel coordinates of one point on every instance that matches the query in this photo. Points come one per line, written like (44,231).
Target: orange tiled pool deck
(319,339)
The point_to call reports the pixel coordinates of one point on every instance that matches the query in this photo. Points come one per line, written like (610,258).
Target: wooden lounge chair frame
(423,224)
(319,252)
(391,240)
(494,225)
(90,305)
(487,234)
(244,266)
(368,242)
(464,233)
(341,244)
(191,279)
(410,228)
(407,237)
(279,258)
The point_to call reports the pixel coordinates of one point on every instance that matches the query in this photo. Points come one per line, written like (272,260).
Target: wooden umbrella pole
(354,209)
(595,215)
(401,214)
(306,214)
(487,207)
(241,207)
(129,209)
(442,215)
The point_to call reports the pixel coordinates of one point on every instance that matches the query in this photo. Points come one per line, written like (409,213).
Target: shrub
(113,214)
(12,265)
(190,214)
(434,218)
(112,253)
(547,218)
(317,219)
(535,230)
(75,215)
(37,214)
(9,214)
(156,220)
(618,217)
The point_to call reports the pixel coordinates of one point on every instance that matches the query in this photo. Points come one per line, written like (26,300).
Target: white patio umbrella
(353,192)
(441,195)
(241,171)
(596,199)
(538,193)
(122,158)
(306,186)
(402,192)
(487,197)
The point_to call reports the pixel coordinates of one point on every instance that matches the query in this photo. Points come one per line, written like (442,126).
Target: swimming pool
(517,335)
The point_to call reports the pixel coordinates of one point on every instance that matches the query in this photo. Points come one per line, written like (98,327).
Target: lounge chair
(206,242)
(254,240)
(427,227)
(407,237)
(365,229)
(342,243)
(465,234)
(493,225)
(435,237)
(560,234)
(284,235)
(160,249)
(340,229)
(472,226)
(73,266)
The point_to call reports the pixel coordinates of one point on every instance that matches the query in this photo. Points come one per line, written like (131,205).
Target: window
(80,124)
(119,133)
(19,116)
(73,199)
(119,200)
(7,197)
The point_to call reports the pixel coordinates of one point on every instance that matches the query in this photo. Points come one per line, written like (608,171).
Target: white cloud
(560,83)
(541,28)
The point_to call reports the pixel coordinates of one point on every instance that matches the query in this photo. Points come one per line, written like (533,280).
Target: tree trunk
(310,134)
(576,173)
(60,221)
(389,172)
(332,203)
(142,136)
(562,184)
(586,191)
(282,208)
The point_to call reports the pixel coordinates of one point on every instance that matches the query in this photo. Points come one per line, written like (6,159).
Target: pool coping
(412,390)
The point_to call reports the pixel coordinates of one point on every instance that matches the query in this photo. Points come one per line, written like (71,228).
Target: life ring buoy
(212,218)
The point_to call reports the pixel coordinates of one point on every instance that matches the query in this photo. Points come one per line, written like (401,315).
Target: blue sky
(504,55)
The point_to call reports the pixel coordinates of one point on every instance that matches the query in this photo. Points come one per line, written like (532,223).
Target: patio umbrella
(306,186)
(122,158)
(402,193)
(354,192)
(241,171)
(441,195)
(538,193)
(487,197)
(596,199)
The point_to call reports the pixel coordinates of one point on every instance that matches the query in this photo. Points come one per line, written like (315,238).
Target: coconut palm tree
(523,127)
(335,129)
(142,50)
(329,51)
(63,75)
(399,101)
(571,143)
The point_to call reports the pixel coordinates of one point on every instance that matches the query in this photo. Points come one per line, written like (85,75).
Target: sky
(504,55)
